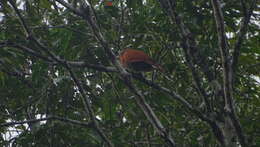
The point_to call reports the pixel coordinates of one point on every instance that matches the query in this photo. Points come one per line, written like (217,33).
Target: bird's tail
(158,67)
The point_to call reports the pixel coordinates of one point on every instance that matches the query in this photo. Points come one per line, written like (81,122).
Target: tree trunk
(228,131)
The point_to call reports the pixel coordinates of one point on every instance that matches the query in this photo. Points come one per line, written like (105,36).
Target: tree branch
(18,74)
(190,49)
(26,50)
(97,67)
(197,80)
(22,21)
(146,108)
(125,76)
(87,13)
(85,99)
(30,35)
(223,46)
(208,118)
(62,119)
(70,7)
(87,105)
(174,95)
(242,32)
(241,35)
(188,40)
(244,7)
(80,64)
(227,67)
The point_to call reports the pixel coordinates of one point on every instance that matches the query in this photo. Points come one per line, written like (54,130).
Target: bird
(138,61)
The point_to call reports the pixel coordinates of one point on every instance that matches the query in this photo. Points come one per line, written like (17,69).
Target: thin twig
(188,39)
(22,21)
(80,64)
(190,49)
(26,50)
(242,32)
(223,46)
(97,67)
(17,74)
(87,105)
(69,6)
(140,99)
(207,118)
(62,119)
(236,53)
(59,27)
(85,99)
(120,27)
(174,95)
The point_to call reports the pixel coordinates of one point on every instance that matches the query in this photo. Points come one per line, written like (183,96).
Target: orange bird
(138,61)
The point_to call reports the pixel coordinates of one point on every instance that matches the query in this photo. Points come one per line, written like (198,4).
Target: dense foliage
(43,66)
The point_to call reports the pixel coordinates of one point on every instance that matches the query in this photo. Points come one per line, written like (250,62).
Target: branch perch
(88,15)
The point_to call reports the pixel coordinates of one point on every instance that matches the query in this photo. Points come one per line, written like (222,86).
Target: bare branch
(22,21)
(18,74)
(30,35)
(70,7)
(62,119)
(222,39)
(189,43)
(87,13)
(223,46)
(197,80)
(92,66)
(242,33)
(26,50)
(140,99)
(68,27)
(85,99)
(244,7)
(190,49)
(89,16)
(227,65)
(80,64)
(87,105)
(174,95)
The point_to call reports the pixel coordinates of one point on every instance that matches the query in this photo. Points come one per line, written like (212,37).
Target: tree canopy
(61,83)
